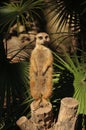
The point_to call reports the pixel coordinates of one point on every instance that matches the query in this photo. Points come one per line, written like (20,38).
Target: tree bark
(67,115)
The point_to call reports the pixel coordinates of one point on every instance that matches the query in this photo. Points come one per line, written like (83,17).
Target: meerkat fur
(41,70)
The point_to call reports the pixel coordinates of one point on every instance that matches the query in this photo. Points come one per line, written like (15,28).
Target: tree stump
(67,115)
(41,119)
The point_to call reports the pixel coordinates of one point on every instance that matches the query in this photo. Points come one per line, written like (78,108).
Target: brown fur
(41,69)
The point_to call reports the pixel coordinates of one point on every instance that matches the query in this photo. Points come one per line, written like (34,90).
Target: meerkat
(41,70)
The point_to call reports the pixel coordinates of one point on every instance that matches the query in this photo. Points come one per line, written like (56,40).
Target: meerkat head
(42,38)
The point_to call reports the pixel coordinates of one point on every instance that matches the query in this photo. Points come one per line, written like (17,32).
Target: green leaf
(10,11)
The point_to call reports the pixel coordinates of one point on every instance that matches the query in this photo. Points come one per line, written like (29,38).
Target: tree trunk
(67,115)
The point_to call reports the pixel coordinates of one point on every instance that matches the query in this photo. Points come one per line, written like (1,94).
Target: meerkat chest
(41,57)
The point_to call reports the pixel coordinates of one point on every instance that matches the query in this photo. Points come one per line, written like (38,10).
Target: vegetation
(70,14)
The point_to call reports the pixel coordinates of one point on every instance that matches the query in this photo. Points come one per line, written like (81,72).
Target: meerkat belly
(40,60)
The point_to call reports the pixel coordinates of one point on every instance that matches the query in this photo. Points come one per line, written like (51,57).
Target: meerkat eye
(40,37)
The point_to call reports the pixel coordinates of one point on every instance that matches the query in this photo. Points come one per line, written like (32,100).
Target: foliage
(21,11)
(68,13)
(14,83)
(78,69)
(71,15)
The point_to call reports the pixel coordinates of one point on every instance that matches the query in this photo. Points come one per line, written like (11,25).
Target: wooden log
(22,122)
(25,124)
(67,114)
(42,117)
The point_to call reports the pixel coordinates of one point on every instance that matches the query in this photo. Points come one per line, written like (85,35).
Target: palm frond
(10,12)
(65,14)
(79,83)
